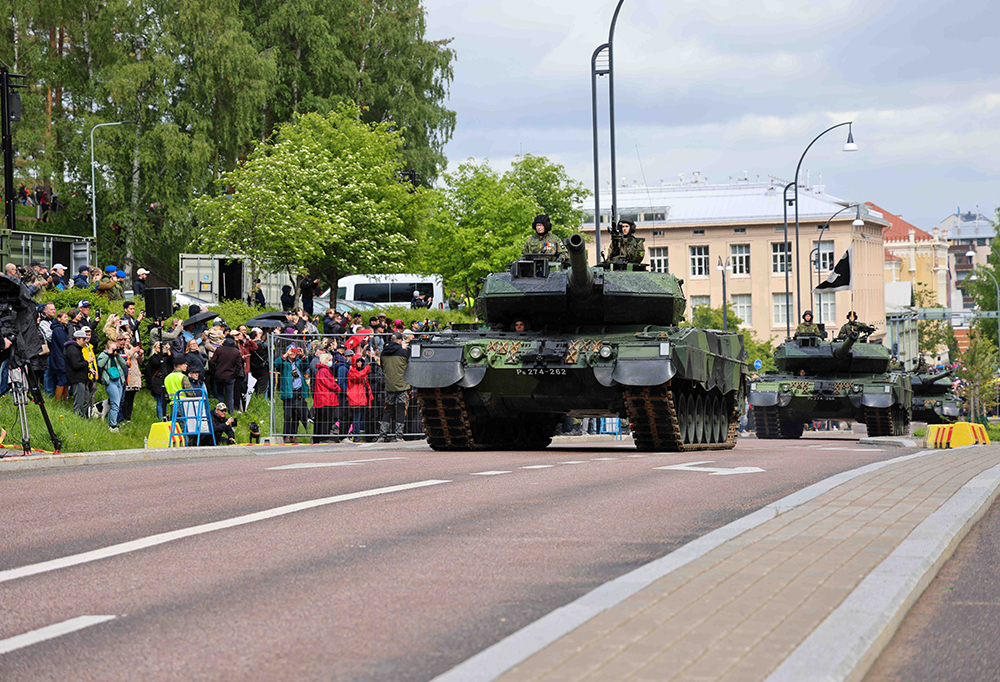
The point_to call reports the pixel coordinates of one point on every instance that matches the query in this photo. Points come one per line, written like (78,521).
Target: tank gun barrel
(581,279)
(842,352)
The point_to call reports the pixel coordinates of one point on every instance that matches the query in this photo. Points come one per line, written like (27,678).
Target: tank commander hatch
(542,244)
(625,246)
(807,327)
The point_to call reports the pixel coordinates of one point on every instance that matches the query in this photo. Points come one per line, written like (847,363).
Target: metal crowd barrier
(343,417)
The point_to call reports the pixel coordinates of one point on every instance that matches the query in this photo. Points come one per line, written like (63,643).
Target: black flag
(840,278)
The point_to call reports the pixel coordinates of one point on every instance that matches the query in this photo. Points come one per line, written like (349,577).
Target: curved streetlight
(609,71)
(974,276)
(858,222)
(849,146)
(93,187)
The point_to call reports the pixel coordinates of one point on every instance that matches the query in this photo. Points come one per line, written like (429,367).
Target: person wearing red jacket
(324,399)
(359,395)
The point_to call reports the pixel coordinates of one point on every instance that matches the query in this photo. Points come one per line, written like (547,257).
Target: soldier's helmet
(852,316)
(809,313)
(631,225)
(544,220)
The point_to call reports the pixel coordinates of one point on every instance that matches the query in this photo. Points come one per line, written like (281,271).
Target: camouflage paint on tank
(933,400)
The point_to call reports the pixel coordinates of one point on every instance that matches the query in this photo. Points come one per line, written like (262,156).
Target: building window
(698,232)
(740,256)
(739,230)
(782,308)
(699,261)
(658,259)
(781,257)
(698,301)
(826,312)
(743,308)
(659,233)
(826,255)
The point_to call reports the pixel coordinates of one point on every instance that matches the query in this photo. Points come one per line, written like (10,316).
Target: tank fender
(763,398)
(643,371)
(435,368)
(877,399)
(950,410)
(473,375)
(604,375)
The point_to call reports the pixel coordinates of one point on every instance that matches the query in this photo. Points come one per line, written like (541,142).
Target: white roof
(700,202)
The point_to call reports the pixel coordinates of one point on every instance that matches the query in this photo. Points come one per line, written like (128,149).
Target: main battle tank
(601,341)
(842,380)
(933,401)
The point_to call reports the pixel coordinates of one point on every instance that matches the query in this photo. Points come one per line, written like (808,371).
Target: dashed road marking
(573,462)
(489,473)
(316,465)
(539,466)
(50,632)
(636,456)
(604,459)
(162,538)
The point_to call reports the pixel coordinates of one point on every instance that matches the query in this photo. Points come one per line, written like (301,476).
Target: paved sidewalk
(811,592)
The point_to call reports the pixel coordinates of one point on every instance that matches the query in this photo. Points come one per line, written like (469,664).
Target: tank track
(450,426)
(656,425)
(886,421)
(769,424)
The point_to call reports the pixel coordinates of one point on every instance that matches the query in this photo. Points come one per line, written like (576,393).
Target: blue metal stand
(191,406)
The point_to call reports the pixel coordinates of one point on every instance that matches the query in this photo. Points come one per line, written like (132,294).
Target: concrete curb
(867,619)
(891,442)
(505,654)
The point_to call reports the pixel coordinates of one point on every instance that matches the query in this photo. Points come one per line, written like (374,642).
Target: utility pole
(10,110)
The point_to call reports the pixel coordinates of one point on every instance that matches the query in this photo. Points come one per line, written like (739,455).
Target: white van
(389,290)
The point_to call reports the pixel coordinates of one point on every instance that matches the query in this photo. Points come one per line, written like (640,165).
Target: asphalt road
(404,564)
(951,632)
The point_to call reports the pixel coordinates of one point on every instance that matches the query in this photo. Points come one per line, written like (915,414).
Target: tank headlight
(887,389)
(475,352)
(414,350)
(605,352)
(785,388)
(753,387)
(857,388)
(939,403)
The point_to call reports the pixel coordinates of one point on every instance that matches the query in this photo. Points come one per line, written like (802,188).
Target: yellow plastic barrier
(159,433)
(956,435)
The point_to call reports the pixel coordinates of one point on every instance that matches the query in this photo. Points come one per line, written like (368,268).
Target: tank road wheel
(682,416)
(699,420)
(689,429)
(721,422)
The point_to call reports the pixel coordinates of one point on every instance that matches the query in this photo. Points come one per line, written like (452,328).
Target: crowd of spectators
(336,377)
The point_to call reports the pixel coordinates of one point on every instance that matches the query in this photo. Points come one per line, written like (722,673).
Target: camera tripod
(24,387)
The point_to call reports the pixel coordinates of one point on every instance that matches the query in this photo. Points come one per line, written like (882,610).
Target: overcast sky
(724,86)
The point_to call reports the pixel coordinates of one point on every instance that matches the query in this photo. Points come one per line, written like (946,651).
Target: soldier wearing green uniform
(625,246)
(853,326)
(807,327)
(541,244)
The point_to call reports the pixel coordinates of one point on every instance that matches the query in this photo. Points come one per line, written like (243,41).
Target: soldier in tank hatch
(625,246)
(542,243)
(807,327)
(853,325)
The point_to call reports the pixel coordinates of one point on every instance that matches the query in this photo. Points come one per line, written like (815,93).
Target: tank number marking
(541,372)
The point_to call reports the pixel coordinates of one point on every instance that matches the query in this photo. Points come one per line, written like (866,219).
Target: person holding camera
(113,370)
(223,425)
(625,246)
(133,379)
(294,390)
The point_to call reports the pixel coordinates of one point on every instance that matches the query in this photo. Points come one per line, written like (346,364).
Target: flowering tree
(323,195)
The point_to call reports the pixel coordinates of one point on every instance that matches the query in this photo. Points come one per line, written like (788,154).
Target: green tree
(556,194)
(323,195)
(932,335)
(480,225)
(978,368)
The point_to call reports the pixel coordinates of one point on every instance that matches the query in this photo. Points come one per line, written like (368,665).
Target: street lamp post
(858,222)
(609,71)
(849,146)
(723,268)
(787,261)
(93,187)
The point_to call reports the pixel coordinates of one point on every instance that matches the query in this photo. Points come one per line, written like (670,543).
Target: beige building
(916,256)
(692,226)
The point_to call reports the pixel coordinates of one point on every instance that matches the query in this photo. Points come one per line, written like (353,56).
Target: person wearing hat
(77,373)
(807,327)
(542,244)
(139,285)
(625,246)
(118,292)
(102,285)
(82,279)
(294,391)
(222,425)
(58,274)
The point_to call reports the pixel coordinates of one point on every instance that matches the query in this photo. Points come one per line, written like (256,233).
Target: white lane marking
(572,462)
(314,465)
(604,459)
(636,456)
(539,466)
(713,471)
(489,473)
(161,538)
(50,632)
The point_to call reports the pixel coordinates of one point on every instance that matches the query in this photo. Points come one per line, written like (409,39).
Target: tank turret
(548,294)
(932,384)
(814,355)
(581,279)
